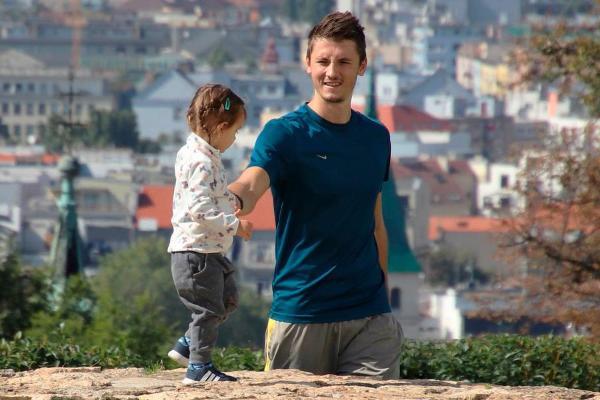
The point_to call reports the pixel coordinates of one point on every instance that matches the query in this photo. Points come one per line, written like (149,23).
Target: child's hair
(339,26)
(211,105)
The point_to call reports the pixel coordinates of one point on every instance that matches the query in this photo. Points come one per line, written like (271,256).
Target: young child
(204,223)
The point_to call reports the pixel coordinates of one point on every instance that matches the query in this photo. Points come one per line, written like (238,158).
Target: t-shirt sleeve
(271,150)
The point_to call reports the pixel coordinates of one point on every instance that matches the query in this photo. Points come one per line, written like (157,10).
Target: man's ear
(307,65)
(362,67)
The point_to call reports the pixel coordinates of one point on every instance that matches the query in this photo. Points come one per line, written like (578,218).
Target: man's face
(333,67)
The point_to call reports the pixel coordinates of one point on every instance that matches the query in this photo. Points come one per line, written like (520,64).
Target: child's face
(226,133)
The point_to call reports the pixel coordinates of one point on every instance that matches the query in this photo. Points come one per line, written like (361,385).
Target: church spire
(66,251)
(400,256)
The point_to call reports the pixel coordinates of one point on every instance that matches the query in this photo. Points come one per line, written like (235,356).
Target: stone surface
(133,383)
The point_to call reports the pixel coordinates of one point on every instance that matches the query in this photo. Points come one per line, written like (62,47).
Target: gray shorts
(369,346)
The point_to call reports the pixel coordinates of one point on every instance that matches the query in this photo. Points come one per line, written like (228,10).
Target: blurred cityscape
(110,81)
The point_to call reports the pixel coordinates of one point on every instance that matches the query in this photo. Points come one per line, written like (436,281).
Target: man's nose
(331,70)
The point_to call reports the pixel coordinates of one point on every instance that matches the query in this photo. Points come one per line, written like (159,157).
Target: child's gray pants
(206,286)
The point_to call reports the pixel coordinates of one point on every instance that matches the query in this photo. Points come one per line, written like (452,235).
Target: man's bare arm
(381,237)
(249,187)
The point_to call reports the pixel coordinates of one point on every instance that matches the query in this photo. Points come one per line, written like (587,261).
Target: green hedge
(24,354)
(500,359)
(506,360)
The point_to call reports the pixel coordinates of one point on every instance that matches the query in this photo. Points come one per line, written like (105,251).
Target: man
(325,165)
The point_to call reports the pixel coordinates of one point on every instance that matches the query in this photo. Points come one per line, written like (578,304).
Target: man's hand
(244,229)
(248,188)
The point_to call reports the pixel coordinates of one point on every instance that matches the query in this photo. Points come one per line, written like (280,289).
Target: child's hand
(244,229)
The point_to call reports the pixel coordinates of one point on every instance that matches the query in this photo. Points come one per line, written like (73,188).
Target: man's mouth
(332,84)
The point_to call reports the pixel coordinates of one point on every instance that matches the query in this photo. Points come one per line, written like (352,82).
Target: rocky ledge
(133,383)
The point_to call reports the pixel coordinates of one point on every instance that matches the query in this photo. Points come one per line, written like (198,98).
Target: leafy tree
(558,231)
(448,267)
(131,304)
(22,294)
(310,11)
(70,315)
(246,326)
(147,146)
(219,57)
(105,129)
(59,137)
(138,307)
(289,8)
(113,128)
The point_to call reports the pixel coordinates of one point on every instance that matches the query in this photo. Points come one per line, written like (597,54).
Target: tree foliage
(558,231)
(105,129)
(310,11)
(22,294)
(218,58)
(449,267)
(131,304)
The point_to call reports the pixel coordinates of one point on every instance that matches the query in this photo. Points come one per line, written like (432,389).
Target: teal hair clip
(227,105)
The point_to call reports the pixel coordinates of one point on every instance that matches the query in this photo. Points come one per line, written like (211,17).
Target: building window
(18,87)
(5,108)
(396,299)
(29,109)
(487,201)
(42,109)
(29,129)
(30,87)
(6,87)
(177,113)
(17,130)
(504,181)
(505,202)
(17,108)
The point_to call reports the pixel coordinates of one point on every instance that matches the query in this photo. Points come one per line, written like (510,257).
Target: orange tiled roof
(156,202)
(465,224)
(263,216)
(404,118)
(8,159)
(36,159)
(50,159)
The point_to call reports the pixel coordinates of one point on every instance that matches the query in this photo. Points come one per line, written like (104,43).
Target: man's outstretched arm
(249,187)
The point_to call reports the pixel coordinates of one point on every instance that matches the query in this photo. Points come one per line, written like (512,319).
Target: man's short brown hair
(339,26)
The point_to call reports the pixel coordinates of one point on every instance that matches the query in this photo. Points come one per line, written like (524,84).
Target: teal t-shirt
(325,178)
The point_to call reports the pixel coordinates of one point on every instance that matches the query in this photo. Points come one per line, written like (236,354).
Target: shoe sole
(188,381)
(178,358)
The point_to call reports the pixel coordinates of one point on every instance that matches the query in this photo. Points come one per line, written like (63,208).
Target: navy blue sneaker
(205,373)
(181,351)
